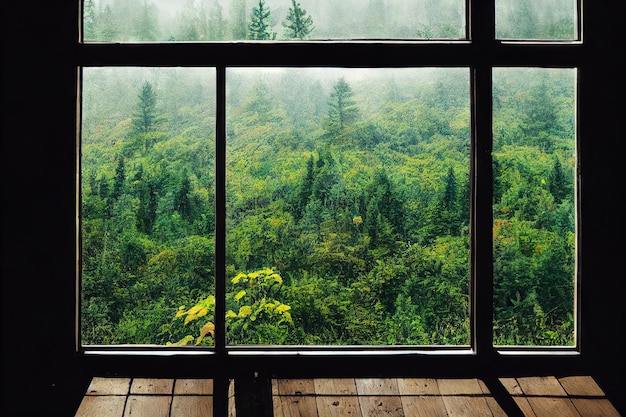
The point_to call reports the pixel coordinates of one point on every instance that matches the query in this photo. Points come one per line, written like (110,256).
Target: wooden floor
(574,396)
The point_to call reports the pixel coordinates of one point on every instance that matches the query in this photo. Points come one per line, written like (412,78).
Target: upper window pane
(238,20)
(537,19)
(348,206)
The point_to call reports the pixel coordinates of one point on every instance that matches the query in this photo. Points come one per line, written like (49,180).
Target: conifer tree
(343,110)
(306,189)
(298,24)
(145,119)
(147,25)
(216,22)
(107,25)
(89,20)
(119,181)
(259,28)
(557,184)
(239,28)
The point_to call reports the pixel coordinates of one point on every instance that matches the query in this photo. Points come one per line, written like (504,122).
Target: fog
(346,19)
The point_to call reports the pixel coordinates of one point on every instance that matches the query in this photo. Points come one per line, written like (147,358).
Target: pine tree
(375,19)
(239,28)
(306,189)
(146,26)
(183,203)
(216,28)
(119,181)
(107,25)
(558,185)
(450,192)
(298,24)
(343,110)
(89,21)
(259,28)
(145,119)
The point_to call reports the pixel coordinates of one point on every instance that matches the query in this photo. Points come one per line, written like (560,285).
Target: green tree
(558,183)
(89,21)
(144,121)
(217,24)
(343,110)
(259,28)
(297,23)
(239,20)
(305,191)
(107,29)
(145,118)
(375,20)
(194,22)
(183,203)
(146,26)
(119,181)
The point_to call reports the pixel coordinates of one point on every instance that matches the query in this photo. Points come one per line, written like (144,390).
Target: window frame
(480,53)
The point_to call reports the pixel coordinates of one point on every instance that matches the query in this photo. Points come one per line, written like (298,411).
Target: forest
(289,20)
(347,206)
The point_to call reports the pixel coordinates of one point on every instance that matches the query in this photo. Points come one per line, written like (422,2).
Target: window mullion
(220,212)
(481,21)
(482,260)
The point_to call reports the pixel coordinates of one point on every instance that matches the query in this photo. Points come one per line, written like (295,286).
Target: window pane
(225,20)
(147,205)
(537,19)
(534,228)
(348,206)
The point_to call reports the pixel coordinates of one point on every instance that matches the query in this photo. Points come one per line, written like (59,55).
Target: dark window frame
(480,52)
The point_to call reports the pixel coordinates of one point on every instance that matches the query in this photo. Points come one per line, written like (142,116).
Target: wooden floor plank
(338,406)
(541,385)
(349,397)
(101,406)
(377,386)
(152,386)
(512,386)
(581,385)
(552,407)
(335,386)
(296,387)
(148,406)
(277,406)
(381,406)
(192,406)
(418,386)
(466,406)
(524,406)
(595,407)
(483,387)
(297,406)
(232,409)
(459,386)
(424,406)
(109,386)
(495,408)
(193,386)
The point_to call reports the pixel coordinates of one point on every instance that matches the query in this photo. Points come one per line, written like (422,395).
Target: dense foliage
(348,196)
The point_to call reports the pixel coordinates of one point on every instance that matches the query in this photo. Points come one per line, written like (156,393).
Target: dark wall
(41,374)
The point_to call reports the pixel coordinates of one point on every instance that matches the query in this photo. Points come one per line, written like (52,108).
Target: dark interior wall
(40,372)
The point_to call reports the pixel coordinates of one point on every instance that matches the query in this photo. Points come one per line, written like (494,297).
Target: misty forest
(263,20)
(347,205)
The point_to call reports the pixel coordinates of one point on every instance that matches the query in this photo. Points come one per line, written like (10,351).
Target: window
(401,183)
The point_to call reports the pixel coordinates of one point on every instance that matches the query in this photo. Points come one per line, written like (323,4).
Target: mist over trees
(227,20)
(348,200)
(219,20)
